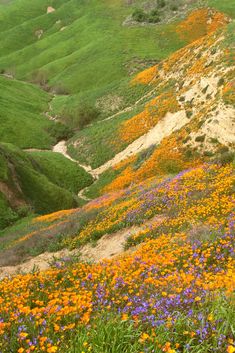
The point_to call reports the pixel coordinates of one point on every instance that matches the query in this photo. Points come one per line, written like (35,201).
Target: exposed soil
(110,245)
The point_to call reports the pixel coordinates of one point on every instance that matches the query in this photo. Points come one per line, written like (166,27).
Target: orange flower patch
(200,23)
(155,110)
(146,76)
(54,216)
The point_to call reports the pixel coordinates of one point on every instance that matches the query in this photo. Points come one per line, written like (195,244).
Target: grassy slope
(62,171)
(94,29)
(42,180)
(176,286)
(21,118)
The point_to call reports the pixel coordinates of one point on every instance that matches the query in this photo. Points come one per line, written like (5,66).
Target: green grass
(22,119)
(99,142)
(110,335)
(7,214)
(95,190)
(42,184)
(89,54)
(224,6)
(62,171)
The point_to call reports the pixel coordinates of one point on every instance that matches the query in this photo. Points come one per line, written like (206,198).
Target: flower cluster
(172,288)
(154,111)
(200,23)
(145,77)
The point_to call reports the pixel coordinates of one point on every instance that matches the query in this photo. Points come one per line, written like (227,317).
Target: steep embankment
(38,182)
(189,116)
(177,285)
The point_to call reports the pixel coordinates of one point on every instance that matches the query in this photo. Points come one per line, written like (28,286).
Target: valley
(117,179)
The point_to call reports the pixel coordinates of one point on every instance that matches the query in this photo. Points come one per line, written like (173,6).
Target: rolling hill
(117,176)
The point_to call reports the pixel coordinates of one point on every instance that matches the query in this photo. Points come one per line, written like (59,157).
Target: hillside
(117,176)
(37,182)
(171,292)
(185,116)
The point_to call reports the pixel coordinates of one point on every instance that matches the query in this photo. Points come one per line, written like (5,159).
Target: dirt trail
(61,147)
(107,247)
(170,123)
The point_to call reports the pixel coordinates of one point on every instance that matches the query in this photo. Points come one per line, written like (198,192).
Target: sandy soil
(108,246)
(170,123)
(62,148)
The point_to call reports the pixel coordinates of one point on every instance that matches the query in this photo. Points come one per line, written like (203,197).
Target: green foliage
(3,168)
(81,115)
(111,335)
(61,171)
(170,166)
(22,118)
(43,181)
(226,158)
(143,156)
(7,215)
(139,15)
(200,138)
(154,16)
(161,3)
(95,190)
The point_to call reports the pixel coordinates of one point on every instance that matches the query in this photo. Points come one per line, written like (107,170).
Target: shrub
(81,115)
(60,131)
(200,138)
(174,7)
(214,140)
(161,3)
(139,15)
(223,149)
(189,113)
(208,154)
(170,166)
(143,156)
(60,90)
(225,158)
(221,82)
(188,154)
(154,16)
(205,89)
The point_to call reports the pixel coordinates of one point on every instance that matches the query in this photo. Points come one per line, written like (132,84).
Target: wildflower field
(172,292)
(170,194)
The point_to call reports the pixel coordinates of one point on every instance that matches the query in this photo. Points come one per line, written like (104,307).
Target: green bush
(7,215)
(225,158)
(154,16)
(81,115)
(174,7)
(60,131)
(161,3)
(170,166)
(223,149)
(139,15)
(200,138)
